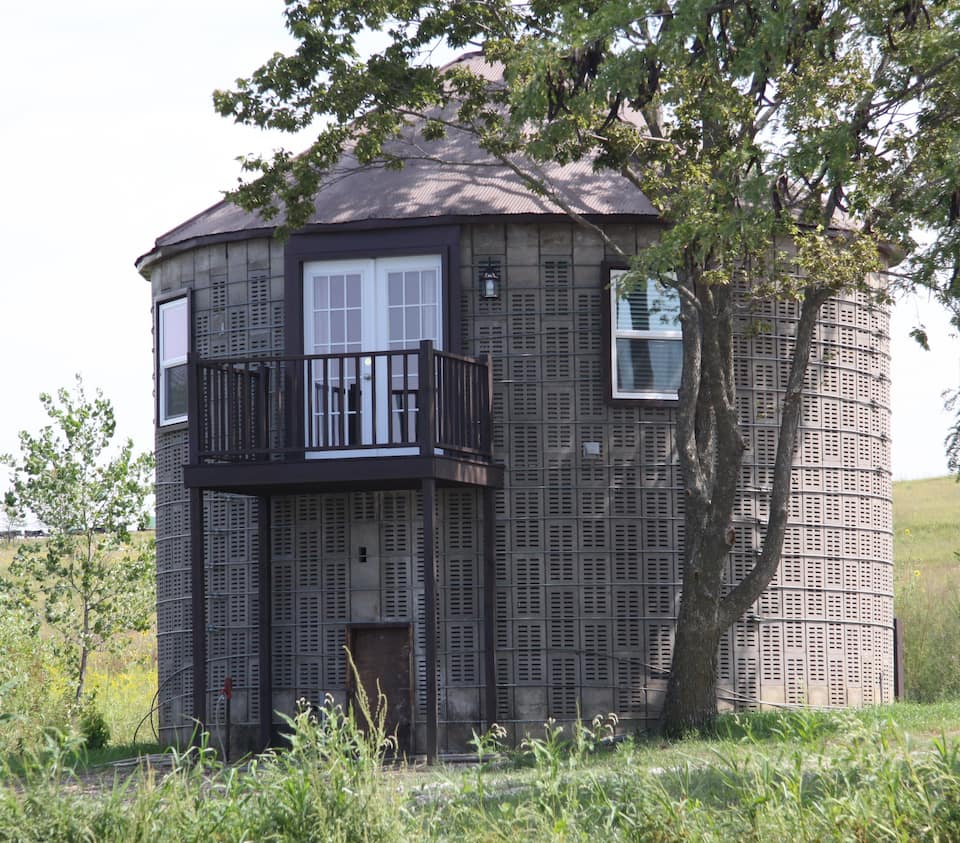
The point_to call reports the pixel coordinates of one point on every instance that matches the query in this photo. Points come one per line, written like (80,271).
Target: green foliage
(93,725)
(89,581)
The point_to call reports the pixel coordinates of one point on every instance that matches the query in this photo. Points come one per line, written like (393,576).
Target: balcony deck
(324,422)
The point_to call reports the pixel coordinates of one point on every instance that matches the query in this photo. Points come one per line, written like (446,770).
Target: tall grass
(797,777)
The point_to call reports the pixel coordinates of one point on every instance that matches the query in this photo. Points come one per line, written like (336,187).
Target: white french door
(353,309)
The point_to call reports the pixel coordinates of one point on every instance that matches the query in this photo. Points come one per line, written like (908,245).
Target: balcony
(365,419)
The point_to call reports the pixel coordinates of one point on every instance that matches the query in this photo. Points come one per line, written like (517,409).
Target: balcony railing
(415,401)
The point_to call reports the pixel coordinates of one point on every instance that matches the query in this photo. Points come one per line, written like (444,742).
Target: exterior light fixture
(490,281)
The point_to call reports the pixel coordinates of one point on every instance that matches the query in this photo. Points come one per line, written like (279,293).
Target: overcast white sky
(108,139)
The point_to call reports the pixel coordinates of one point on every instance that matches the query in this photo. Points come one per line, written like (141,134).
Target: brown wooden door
(382,655)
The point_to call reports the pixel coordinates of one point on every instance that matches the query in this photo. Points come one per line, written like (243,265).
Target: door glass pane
(396,325)
(430,322)
(354,284)
(413,324)
(394,289)
(411,287)
(353,326)
(428,280)
(337,297)
(321,292)
(337,332)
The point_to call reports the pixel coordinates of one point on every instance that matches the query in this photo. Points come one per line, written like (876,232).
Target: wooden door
(382,658)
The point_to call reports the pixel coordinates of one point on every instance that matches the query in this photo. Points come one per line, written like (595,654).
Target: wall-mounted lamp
(490,280)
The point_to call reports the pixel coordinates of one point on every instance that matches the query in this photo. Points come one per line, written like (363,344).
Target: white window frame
(620,333)
(165,310)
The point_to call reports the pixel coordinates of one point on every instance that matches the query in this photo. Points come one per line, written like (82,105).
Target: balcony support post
(429,490)
(265,614)
(427,401)
(198,601)
(489,609)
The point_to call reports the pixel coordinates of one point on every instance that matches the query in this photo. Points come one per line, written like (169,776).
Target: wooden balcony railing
(415,401)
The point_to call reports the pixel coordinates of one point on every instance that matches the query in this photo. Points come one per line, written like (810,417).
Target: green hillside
(926,522)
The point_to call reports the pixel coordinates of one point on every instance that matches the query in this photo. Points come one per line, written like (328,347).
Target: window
(173,329)
(645,349)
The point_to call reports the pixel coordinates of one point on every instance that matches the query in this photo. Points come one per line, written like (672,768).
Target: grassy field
(123,682)
(884,774)
(926,520)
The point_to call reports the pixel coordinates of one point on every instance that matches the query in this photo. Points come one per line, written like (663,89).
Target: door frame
(381,240)
(352,629)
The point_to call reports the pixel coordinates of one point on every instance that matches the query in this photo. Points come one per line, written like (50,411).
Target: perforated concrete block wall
(236,294)
(357,558)
(589,544)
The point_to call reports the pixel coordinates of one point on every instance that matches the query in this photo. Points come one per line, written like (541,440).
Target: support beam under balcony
(429,488)
(198,611)
(264,613)
(343,474)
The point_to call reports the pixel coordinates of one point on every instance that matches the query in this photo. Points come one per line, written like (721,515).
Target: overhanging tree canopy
(782,144)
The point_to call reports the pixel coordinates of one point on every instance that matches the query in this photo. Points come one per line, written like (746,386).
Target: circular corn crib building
(419,431)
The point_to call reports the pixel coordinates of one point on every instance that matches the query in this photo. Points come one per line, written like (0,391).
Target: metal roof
(450,177)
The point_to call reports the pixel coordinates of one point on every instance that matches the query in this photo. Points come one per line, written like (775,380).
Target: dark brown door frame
(352,629)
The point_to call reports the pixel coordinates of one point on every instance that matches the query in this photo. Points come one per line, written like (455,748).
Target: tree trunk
(82,672)
(84,652)
(691,701)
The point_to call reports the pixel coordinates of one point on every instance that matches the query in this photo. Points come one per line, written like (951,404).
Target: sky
(108,139)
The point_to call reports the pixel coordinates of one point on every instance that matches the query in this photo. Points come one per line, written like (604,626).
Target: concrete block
(488,239)
(556,239)
(530,704)
(587,247)
(463,704)
(365,606)
(258,255)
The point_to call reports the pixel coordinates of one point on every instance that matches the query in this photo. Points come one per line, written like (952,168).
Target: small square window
(646,351)
(173,330)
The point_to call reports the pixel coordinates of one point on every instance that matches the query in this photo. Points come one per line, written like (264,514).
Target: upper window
(645,349)
(173,328)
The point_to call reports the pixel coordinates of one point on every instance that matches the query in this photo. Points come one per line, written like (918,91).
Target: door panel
(386,304)
(382,658)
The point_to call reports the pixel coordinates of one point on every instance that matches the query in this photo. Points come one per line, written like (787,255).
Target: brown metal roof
(451,177)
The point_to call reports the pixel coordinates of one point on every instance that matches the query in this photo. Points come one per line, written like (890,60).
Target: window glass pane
(175,391)
(649,307)
(648,365)
(173,326)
